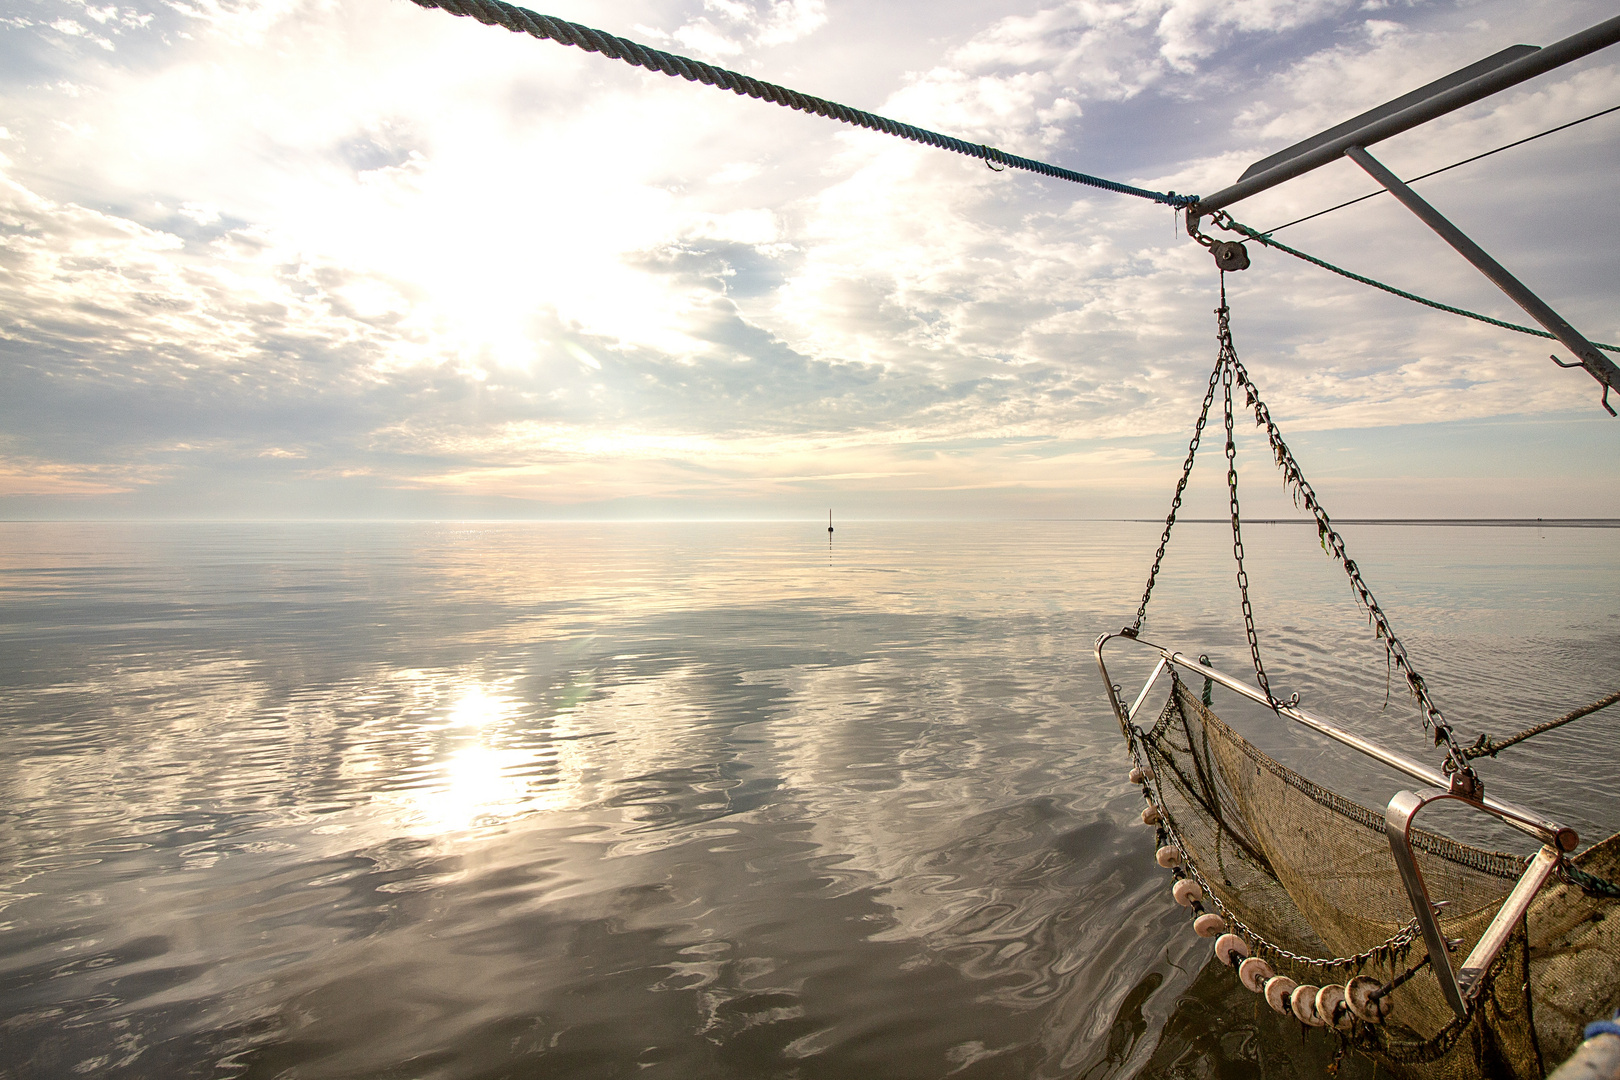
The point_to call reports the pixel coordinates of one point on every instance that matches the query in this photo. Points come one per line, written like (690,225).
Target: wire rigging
(1448,168)
(523,21)
(1226,221)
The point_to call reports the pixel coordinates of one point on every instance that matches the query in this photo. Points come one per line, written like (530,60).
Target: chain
(1181,488)
(1227,361)
(1229,369)
(1464,781)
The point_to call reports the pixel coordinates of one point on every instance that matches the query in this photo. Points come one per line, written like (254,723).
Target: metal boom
(1481,79)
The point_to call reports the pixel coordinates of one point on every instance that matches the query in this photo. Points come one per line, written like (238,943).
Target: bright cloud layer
(308,258)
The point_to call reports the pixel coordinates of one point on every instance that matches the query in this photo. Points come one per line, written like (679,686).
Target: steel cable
(1446,168)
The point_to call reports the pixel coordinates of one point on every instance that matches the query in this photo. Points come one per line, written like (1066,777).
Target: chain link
(1175,503)
(1229,370)
(1228,361)
(1463,778)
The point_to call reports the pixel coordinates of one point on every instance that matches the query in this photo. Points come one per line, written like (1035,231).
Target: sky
(308,259)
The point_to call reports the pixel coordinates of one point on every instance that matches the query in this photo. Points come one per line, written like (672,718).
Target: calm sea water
(698,800)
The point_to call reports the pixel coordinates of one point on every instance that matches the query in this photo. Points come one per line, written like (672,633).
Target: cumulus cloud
(726,29)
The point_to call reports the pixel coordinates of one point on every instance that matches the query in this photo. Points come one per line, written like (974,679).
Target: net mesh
(1306,876)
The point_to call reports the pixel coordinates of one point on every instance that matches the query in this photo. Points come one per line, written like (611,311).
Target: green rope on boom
(1226,221)
(523,21)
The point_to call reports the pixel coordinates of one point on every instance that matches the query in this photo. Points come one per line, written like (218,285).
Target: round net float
(1302,1003)
(1140,775)
(1150,815)
(1168,856)
(1229,945)
(1358,994)
(1209,924)
(1186,891)
(1277,990)
(1253,973)
(1331,1009)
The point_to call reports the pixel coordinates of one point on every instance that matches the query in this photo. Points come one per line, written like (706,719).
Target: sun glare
(490,764)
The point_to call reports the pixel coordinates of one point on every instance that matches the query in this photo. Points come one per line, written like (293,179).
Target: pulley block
(1230,255)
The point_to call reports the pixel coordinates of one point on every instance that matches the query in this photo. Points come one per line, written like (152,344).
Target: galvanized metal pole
(1445,100)
(1601,367)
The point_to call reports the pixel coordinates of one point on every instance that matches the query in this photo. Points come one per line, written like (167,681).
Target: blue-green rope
(1268,241)
(523,21)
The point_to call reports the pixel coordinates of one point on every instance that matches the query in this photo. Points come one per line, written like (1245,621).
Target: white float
(1254,973)
(1277,990)
(1228,946)
(1302,1003)
(1330,1007)
(1358,994)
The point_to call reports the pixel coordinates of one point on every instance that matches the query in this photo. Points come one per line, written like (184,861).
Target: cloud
(728,28)
(297,244)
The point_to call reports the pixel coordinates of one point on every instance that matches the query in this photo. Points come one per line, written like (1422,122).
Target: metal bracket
(1458,987)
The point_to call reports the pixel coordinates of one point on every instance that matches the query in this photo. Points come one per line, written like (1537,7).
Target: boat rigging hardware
(1229,254)
(1229,362)
(1175,502)
(1492,75)
(1461,777)
(1479,80)
(1600,367)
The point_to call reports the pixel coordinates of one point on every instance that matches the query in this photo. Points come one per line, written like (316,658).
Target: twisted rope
(1489,746)
(522,21)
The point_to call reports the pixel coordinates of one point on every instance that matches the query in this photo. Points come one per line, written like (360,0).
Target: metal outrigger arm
(1481,79)
(1460,986)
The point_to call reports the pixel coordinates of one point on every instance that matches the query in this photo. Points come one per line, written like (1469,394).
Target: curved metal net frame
(1305,875)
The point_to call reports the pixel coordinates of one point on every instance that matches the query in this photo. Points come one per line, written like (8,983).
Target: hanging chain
(1175,503)
(1464,781)
(1227,363)
(1229,369)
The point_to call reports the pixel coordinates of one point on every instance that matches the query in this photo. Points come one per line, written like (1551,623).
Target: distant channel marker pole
(829,521)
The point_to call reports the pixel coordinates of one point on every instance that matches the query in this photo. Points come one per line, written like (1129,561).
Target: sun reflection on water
(484,761)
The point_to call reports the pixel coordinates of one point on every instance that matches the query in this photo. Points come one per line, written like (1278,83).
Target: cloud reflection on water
(471,799)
